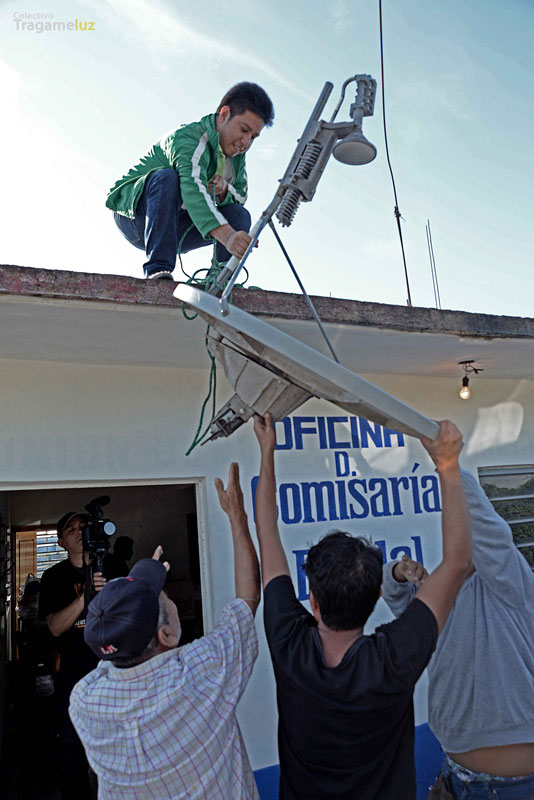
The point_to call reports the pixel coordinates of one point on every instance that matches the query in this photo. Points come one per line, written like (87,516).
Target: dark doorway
(150,515)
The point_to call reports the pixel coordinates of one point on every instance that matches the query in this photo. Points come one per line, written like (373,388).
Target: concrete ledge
(94,287)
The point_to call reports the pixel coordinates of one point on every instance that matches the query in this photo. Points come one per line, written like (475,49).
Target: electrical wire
(304,292)
(396,210)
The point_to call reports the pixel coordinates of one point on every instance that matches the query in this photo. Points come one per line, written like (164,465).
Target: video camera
(96,535)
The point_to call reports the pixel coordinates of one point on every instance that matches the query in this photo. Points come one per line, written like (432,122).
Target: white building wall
(71,425)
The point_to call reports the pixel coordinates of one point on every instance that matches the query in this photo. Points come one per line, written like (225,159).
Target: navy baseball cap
(123,617)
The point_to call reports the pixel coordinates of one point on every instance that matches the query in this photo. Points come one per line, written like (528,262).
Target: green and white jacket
(193,151)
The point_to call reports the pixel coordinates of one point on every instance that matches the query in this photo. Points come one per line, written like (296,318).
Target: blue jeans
(160,222)
(485,787)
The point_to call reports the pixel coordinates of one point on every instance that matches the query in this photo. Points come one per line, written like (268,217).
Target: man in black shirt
(346,726)
(62,604)
(116,563)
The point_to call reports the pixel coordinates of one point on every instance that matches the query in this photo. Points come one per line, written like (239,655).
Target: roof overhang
(65,316)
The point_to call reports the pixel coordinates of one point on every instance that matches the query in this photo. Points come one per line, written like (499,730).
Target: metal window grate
(511,490)
(48,550)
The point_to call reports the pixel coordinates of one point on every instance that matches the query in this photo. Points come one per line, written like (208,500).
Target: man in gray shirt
(481,676)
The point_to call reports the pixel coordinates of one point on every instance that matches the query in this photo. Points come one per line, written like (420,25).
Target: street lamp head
(354,149)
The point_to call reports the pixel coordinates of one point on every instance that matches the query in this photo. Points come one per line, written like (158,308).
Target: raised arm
(272,555)
(440,589)
(497,560)
(246,567)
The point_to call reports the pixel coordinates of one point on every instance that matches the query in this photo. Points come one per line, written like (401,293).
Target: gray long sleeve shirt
(481,676)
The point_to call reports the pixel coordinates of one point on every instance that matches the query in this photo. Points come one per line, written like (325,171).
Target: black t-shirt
(60,586)
(347,731)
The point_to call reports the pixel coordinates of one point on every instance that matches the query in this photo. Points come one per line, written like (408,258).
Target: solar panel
(272,371)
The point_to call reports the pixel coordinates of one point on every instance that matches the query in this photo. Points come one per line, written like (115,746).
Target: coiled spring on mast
(293,196)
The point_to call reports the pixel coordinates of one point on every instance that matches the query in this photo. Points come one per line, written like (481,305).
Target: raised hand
(265,433)
(409,570)
(231,498)
(156,555)
(444,450)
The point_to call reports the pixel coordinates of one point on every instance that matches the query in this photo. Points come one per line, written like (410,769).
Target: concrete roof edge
(95,287)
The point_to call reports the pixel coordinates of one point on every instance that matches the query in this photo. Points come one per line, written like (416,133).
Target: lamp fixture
(319,140)
(467,366)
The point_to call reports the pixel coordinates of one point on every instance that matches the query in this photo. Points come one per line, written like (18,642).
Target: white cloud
(11,81)
(447,97)
(341,16)
(265,152)
(381,250)
(26,133)
(160,31)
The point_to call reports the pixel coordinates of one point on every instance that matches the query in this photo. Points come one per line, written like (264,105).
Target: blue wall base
(267,780)
(428,759)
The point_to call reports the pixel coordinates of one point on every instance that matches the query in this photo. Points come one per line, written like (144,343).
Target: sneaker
(163,274)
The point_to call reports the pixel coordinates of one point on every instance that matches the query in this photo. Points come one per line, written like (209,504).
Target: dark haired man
(157,721)
(62,604)
(346,727)
(191,186)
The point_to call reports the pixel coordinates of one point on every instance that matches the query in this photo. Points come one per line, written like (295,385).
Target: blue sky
(80,107)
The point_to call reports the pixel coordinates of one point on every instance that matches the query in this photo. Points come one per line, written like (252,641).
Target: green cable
(206,282)
(198,437)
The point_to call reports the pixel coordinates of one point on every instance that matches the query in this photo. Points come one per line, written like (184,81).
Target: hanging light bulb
(465,391)
(468,368)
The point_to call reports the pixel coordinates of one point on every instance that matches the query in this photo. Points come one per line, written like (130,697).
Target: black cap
(66,518)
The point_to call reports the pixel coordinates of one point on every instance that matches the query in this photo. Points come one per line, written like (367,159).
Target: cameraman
(62,604)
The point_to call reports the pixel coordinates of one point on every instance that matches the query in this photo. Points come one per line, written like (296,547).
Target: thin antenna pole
(431,265)
(433,268)
(434,263)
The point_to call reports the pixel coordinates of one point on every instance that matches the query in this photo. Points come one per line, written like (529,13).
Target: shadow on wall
(497,426)
(428,758)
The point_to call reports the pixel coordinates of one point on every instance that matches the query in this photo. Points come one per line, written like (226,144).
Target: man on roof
(190,188)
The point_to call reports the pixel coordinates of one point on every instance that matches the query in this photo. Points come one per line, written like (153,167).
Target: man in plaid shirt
(157,721)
